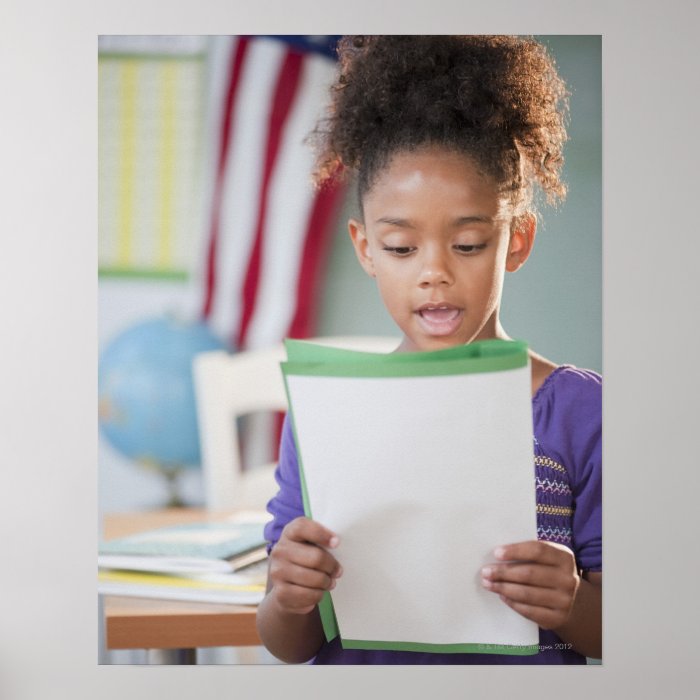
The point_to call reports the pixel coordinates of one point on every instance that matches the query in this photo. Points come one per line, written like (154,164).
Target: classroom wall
(554,302)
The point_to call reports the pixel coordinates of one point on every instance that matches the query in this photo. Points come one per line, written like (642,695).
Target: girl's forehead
(428,162)
(438,174)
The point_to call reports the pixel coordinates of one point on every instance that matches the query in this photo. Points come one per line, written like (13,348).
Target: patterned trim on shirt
(555,503)
(552,486)
(543,461)
(554,510)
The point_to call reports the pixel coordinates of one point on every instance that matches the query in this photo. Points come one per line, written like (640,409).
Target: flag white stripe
(219,56)
(291,199)
(243,181)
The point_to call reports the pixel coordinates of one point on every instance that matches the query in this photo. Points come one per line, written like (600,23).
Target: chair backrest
(229,386)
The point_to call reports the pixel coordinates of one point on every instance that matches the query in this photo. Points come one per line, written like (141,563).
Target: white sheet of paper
(421,477)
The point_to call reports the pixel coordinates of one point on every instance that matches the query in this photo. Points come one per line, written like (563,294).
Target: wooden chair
(230,386)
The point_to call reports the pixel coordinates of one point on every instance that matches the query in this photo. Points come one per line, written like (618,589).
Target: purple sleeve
(287,504)
(578,426)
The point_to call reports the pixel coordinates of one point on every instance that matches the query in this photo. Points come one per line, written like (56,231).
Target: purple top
(567,420)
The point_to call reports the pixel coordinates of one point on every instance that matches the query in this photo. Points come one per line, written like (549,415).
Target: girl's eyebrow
(459,221)
(464,220)
(393,221)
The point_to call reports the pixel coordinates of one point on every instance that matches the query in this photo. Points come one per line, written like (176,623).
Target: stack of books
(214,562)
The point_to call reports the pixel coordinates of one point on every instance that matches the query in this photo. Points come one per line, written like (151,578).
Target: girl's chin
(428,344)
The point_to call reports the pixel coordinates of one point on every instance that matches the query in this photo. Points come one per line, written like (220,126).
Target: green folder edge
(311,359)
(306,351)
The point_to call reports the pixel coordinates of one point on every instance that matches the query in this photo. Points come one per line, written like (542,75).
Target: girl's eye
(399,250)
(469,248)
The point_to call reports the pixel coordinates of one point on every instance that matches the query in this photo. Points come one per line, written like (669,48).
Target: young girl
(447,137)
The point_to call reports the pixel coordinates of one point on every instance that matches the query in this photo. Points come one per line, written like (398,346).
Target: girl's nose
(435,272)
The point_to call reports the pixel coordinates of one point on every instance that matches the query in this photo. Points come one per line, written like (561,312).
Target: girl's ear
(361,246)
(522,238)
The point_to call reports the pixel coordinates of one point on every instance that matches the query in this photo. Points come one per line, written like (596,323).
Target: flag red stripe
(285,90)
(316,249)
(237,60)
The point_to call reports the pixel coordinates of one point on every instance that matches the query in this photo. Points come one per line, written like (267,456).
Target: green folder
(306,359)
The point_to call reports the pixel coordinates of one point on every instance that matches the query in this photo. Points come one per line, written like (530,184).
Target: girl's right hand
(301,569)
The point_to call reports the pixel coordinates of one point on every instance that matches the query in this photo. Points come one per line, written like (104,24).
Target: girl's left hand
(537,579)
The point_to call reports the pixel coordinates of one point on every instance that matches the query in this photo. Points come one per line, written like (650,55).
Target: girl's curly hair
(498,99)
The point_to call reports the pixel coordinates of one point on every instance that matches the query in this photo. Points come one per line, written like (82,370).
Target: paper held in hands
(422,463)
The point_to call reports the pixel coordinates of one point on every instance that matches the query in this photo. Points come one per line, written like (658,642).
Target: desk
(142,623)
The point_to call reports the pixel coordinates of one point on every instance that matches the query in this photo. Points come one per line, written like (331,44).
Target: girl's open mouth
(440,319)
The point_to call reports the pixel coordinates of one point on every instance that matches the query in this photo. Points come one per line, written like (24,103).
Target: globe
(147,407)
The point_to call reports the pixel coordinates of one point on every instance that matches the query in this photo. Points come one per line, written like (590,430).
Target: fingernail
(486,571)
(499,553)
(333,542)
(340,572)
(486,583)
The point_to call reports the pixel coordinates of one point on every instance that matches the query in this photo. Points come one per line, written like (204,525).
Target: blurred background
(211,235)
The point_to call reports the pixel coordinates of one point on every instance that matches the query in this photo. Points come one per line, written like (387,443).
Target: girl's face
(437,237)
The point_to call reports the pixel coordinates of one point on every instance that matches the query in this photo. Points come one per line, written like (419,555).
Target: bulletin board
(150,123)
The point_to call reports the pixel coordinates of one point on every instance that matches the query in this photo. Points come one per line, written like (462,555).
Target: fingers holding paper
(537,579)
(301,567)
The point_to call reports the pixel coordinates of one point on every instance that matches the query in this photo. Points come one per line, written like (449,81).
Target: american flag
(268,229)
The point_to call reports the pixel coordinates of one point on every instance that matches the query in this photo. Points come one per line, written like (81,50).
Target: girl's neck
(499,332)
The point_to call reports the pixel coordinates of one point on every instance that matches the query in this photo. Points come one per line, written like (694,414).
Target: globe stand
(171,473)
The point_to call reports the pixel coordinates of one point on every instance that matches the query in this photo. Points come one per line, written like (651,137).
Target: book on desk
(218,562)
(238,589)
